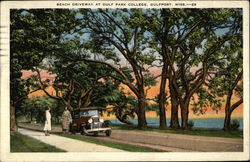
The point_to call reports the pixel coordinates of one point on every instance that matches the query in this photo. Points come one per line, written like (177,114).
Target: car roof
(90,108)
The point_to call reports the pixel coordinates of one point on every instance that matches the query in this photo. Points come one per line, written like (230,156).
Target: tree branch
(43,87)
(191,29)
(235,105)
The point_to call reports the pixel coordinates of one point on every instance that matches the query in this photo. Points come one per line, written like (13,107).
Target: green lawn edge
(23,143)
(121,146)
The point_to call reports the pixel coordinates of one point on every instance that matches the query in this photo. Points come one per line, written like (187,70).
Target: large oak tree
(115,34)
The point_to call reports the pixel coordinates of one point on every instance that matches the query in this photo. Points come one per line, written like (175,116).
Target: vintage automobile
(87,122)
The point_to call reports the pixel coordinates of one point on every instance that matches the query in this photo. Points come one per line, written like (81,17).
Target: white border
(94,156)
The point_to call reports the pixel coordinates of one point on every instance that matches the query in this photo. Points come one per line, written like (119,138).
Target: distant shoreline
(113,118)
(208,123)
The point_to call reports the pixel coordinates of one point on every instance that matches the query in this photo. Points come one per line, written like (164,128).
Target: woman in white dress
(47,126)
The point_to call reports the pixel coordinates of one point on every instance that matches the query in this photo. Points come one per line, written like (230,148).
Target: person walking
(47,126)
(66,120)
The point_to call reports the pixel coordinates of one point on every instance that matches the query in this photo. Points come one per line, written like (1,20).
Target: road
(168,141)
(176,142)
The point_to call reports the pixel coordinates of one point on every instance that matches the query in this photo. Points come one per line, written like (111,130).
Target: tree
(122,105)
(116,33)
(77,84)
(18,92)
(159,25)
(34,34)
(236,87)
(18,63)
(224,83)
(192,43)
(36,106)
(228,84)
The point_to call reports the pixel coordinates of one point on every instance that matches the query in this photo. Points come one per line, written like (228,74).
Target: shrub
(235,124)
(190,124)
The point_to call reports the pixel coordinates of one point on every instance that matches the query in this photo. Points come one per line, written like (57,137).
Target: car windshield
(88,113)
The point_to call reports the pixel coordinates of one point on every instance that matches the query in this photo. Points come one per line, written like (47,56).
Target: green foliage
(115,34)
(205,101)
(222,84)
(82,77)
(34,35)
(195,45)
(22,143)
(235,124)
(149,80)
(154,105)
(35,109)
(54,30)
(100,94)
(200,44)
(124,106)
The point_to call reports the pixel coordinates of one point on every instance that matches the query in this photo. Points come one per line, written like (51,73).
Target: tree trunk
(13,123)
(174,123)
(230,108)
(142,124)
(184,114)
(122,117)
(162,110)
(31,115)
(228,111)
(227,120)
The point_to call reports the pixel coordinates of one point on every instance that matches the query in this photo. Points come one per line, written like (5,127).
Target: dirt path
(167,141)
(67,144)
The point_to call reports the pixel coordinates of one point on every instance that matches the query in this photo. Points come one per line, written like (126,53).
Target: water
(211,123)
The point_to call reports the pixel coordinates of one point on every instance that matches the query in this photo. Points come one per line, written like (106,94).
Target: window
(75,114)
(88,113)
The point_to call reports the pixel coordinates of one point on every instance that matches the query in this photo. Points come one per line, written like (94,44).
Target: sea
(209,123)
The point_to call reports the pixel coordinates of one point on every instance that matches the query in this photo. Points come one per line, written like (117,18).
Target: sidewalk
(67,144)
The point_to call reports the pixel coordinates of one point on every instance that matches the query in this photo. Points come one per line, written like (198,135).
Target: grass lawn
(116,145)
(22,143)
(194,131)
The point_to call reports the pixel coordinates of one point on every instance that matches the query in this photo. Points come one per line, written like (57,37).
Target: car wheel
(73,131)
(83,131)
(108,132)
(95,133)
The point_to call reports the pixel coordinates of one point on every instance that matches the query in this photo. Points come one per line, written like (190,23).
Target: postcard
(124,80)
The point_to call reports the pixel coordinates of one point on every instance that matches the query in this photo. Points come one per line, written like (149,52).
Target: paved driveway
(178,142)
